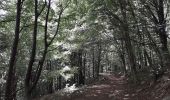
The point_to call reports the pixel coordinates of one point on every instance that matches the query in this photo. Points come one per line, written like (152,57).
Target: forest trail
(110,87)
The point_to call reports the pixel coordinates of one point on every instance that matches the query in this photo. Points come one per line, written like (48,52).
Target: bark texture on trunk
(10,84)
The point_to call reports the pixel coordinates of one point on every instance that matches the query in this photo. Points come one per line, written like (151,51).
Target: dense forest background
(46,45)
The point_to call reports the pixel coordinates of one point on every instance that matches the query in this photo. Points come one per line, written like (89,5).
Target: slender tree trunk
(128,44)
(33,54)
(38,74)
(59,82)
(28,86)
(131,55)
(149,59)
(50,87)
(80,65)
(12,63)
(84,67)
(98,60)
(15,88)
(93,62)
(122,56)
(162,34)
(159,20)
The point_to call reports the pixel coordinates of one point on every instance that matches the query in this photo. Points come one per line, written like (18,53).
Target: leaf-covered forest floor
(116,87)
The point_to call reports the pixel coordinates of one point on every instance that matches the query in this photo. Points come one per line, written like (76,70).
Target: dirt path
(111,87)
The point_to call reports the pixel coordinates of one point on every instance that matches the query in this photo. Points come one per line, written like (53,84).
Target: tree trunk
(32,56)
(59,82)
(122,56)
(162,34)
(93,62)
(128,44)
(84,67)
(98,61)
(159,20)
(131,55)
(80,65)
(12,63)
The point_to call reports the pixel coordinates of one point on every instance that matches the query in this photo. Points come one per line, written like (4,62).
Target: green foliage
(85,25)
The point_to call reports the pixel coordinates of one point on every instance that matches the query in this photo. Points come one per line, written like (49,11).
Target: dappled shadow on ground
(110,87)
